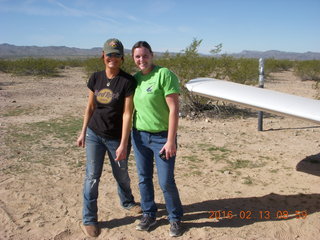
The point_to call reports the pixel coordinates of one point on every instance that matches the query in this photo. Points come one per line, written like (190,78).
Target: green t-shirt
(151,109)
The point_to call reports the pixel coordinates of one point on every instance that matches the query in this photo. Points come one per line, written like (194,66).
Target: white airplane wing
(258,98)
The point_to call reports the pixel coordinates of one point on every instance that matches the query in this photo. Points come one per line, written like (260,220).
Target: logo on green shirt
(149,89)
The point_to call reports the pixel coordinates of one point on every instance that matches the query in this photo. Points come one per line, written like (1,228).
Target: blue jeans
(96,148)
(146,148)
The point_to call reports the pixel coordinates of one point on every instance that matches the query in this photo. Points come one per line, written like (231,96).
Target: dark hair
(141,44)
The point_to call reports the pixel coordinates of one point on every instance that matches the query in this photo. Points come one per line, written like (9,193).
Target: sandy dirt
(235,182)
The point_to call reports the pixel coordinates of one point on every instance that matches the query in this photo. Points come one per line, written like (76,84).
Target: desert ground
(235,182)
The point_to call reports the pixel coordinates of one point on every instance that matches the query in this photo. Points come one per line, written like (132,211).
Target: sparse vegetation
(247,180)
(216,153)
(31,66)
(188,64)
(308,70)
(274,65)
(41,142)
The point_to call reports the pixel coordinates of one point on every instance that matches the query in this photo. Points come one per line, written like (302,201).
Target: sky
(259,25)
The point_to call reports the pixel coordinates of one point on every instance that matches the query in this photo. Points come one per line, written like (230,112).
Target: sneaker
(91,230)
(146,222)
(175,229)
(136,209)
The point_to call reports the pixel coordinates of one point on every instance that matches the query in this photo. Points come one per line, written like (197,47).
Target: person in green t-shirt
(154,136)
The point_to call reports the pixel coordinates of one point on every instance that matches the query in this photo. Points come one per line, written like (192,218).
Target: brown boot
(91,230)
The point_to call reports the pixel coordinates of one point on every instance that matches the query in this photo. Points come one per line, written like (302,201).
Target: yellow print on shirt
(105,96)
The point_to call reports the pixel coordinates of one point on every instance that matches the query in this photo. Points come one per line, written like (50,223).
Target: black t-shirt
(106,119)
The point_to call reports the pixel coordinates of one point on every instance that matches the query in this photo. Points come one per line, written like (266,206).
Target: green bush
(274,65)
(72,62)
(5,65)
(244,71)
(92,65)
(308,70)
(129,65)
(31,66)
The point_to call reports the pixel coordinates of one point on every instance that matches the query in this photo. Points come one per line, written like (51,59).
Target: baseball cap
(113,45)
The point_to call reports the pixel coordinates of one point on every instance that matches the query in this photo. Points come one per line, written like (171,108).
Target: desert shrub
(5,65)
(72,62)
(225,65)
(34,66)
(187,68)
(188,65)
(129,65)
(308,70)
(93,65)
(244,71)
(278,65)
(38,66)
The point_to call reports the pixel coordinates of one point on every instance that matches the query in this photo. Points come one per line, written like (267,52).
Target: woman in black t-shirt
(106,128)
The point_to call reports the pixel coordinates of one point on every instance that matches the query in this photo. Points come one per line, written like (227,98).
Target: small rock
(243,180)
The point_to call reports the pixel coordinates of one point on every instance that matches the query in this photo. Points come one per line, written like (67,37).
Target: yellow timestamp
(259,214)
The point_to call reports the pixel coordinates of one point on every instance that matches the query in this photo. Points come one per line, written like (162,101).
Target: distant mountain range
(12,51)
(277,55)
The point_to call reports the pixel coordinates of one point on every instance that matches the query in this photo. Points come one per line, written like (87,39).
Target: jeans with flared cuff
(96,149)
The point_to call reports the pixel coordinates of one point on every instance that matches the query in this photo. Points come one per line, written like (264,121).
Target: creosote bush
(308,70)
(32,66)
(278,65)
(37,66)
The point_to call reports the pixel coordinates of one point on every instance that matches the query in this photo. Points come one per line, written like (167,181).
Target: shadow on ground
(236,212)
(310,165)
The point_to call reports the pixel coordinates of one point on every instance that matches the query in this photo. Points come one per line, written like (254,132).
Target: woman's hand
(170,150)
(81,140)
(170,147)
(121,153)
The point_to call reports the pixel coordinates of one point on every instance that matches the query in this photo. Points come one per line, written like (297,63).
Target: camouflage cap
(113,45)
